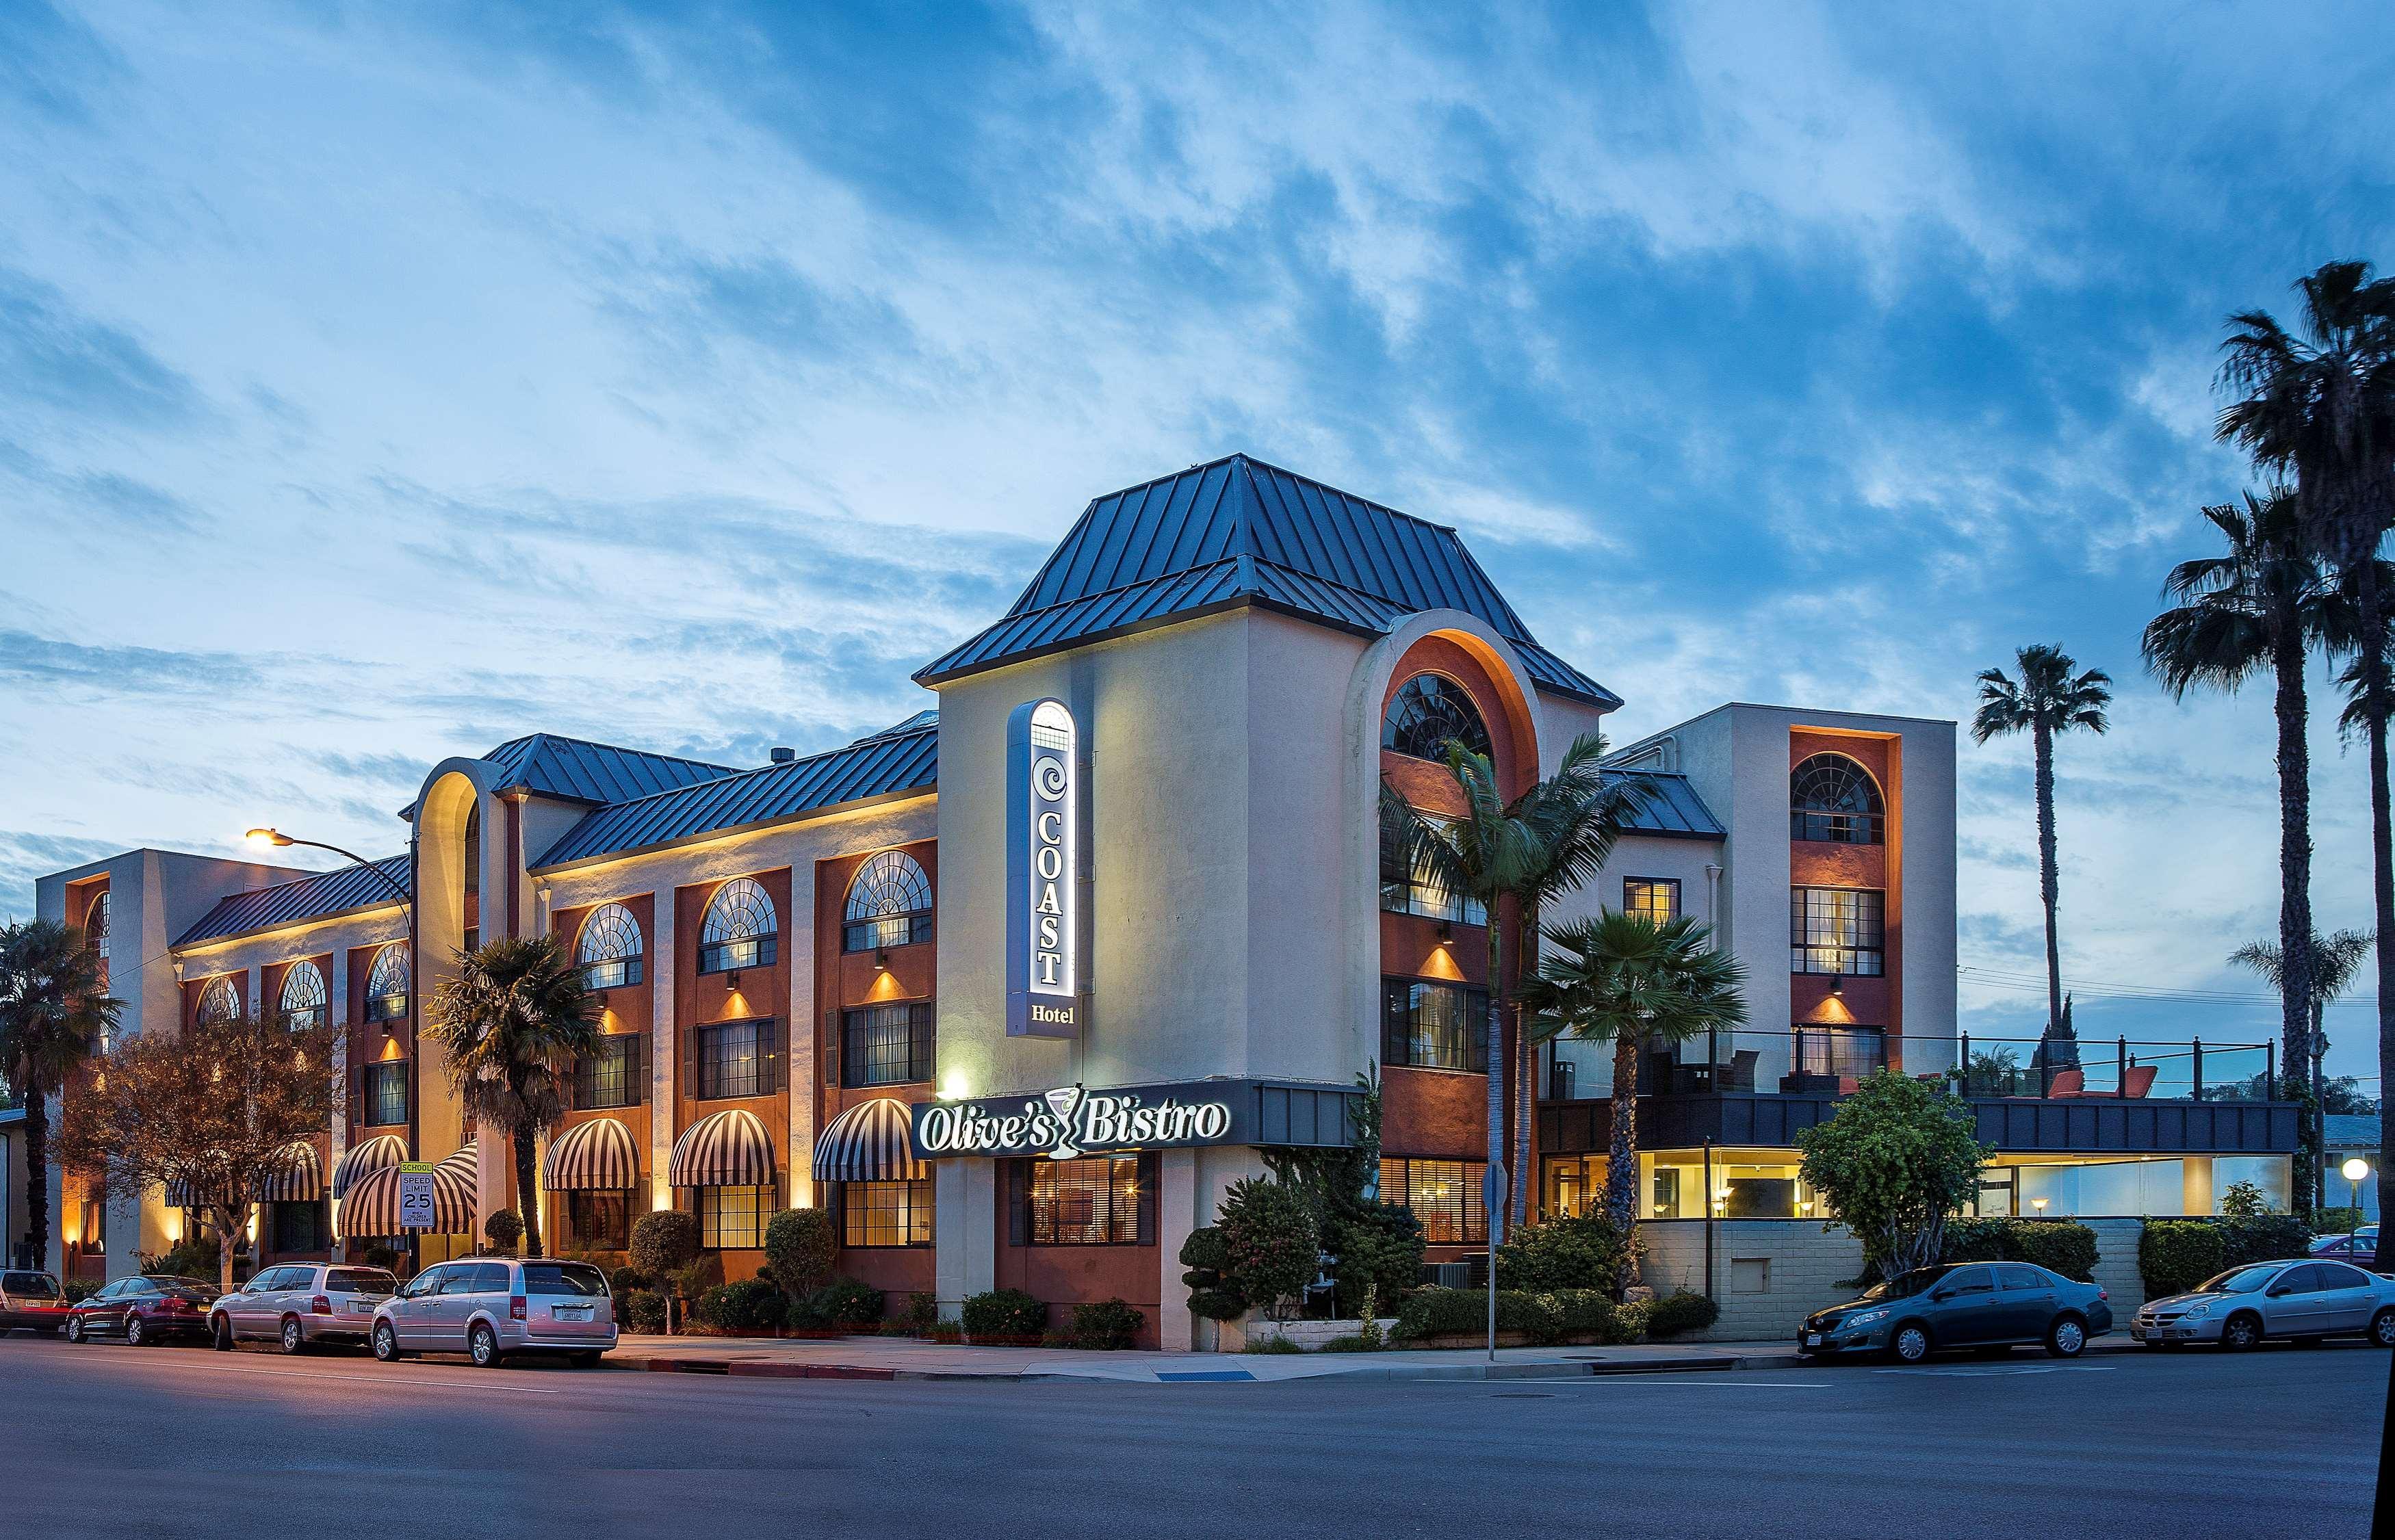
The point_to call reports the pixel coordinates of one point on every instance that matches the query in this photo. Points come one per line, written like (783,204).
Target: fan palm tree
(2335,961)
(2319,405)
(55,1011)
(2258,609)
(514,1021)
(2049,699)
(1626,980)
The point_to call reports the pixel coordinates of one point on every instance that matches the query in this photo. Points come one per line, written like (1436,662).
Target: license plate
(1812,1339)
(569,1312)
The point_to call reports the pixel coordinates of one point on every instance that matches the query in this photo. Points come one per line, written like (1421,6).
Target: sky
(377,383)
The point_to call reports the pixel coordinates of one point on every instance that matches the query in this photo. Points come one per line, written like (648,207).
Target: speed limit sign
(416,1195)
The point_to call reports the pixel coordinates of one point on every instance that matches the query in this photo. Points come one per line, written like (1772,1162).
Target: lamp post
(2353,1170)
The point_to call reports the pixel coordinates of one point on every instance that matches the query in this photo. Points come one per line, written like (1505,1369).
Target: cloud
(54,355)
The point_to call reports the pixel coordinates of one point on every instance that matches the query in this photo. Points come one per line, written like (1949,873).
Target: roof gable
(579,770)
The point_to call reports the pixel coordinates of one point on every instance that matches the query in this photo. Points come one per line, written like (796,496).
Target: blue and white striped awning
(369,1155)
(596,1156)
(726,1148)
(869,1144)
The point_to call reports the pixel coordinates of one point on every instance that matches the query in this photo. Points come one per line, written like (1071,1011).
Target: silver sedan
(2303,1299)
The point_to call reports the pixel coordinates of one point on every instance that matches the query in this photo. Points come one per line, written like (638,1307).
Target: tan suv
(300,1304)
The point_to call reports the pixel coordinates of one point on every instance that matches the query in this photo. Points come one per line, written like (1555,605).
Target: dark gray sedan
(1977,1305)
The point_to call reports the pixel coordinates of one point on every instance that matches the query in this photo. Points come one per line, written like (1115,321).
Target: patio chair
(1740,1071)
(2137,1079)
(2068,1085)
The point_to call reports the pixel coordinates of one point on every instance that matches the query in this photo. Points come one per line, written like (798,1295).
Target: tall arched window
(94,933)
(610,948)
(739,930)
(1832,799)
(1427,711)
(888,904)
(220,1000)
(387,984)
(303,996)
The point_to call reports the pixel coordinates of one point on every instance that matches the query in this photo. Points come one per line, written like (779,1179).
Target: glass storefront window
(734,1217)
(1447,1196)
(886,1214)
(1746,1184)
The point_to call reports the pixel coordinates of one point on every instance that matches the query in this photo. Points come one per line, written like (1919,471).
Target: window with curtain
(733,1218)
(383,1094)
(302,1002)
(1444,1195)
(1431,1025)
(613,1073)
(888,904)
(886,1214)
(732,1058)
(1096,1201)
(739,928)
(886,1044)
(609,950)
(302,1227)
(1836,930)
(599,1221)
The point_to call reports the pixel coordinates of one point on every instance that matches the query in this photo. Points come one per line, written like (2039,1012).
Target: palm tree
(2335,961)
(1624,979)
(54,1010)
(514,1021)
(2259,608)
(2049,699)
(2321,407)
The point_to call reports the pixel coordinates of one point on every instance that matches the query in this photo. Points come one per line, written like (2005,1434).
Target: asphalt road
(169,1441)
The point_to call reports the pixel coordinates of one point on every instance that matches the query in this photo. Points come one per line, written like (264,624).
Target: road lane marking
(364,1380)
(1959,1372)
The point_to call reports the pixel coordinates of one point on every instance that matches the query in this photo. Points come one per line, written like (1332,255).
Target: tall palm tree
(2335,961)
(514,1021)
(1626,980)
(2257,609)
(54,1010)
(2049,699)
(2319,405)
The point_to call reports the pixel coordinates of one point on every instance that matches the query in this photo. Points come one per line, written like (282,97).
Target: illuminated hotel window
(1831,799)
(1444,1195)
(1656,898)
(1849,1053)
(732,1058)
(733,1218)
(613,1072)
(739,929)
(1418,892)
(886,1214)
(303,1003)
(888,904)
(610,949)
(382,1094)
(886,1044)
(1433,1026)
(1836,930)
(387,984)
(1575,1184)
(598,1221)
(1426,712)
(1097,1201)
(220,1001)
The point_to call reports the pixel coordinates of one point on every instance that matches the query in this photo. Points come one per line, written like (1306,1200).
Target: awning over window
(372,1207)
(869,1144)
(299,1179)
(372,1155)
(596,1156)
(726,1148)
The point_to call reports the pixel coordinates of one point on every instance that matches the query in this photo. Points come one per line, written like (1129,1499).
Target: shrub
(196,1256)
(622,1281)
(750,1305)
(644,1311)
(1590,1313)
(922,1310)
(74,1291)
(1109,1325)
(1380,1251)
(2261,1238)
(1211,1295)
(1004,1315)
(2337,1221)
(1272,1245)
(844,1302)
(1583,1252)
(664,1243)
(1273,1345)
(946,1331)
(2175,1254)
(2063,1246)
(1352,1342)
(505,1228)
(1672,1315)
(385,1257)
(801,1246)
(2244,1200)
(700,1276)
(1464,1312)
(1218,1304)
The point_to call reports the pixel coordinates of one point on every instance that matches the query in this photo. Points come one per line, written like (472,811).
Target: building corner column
(663,1048)
(1176,1215)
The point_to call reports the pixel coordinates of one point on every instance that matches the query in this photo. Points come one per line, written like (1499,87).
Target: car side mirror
(1939,1296)
(2279,1290)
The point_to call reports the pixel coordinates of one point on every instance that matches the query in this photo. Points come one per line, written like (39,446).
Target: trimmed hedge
(750,1305)
(1109,1325)
(2059,1245)
(644,1311)
(801,1246)
(841,1302)
(2175,1254)
(1542,1317)
(1004,1315)
(1674,1314)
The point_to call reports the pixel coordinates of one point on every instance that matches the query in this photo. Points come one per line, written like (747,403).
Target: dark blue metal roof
(1670,806)
(893,762)
(314,898)
(584,771)
(1240,532)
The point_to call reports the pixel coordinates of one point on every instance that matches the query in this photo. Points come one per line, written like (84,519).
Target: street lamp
(278,839)
(2354,1169)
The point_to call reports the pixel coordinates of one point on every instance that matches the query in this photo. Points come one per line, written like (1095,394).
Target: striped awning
(726,1148)
(869,1144)
(372,1155)
(596,1156)
(372,1207)
(300,1178)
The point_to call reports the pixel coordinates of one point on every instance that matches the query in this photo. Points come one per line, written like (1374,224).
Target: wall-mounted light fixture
(1838,984)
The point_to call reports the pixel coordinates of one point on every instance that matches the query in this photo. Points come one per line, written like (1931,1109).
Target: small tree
(214,1110)
(801,1247)
(1894,1162)
(1272,1241)
(504,1228)
(663,1243)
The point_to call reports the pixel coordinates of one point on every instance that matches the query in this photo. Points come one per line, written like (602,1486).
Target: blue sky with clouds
(379,383)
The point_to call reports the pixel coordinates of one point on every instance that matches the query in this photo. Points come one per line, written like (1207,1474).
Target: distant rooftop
(1670,808)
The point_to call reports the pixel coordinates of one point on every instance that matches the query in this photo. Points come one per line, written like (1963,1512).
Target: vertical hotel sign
(1044,847)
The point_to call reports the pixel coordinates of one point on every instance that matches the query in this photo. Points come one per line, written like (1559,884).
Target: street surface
(168,1442)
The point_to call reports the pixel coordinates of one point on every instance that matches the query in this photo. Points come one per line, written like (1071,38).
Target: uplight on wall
(954,1086)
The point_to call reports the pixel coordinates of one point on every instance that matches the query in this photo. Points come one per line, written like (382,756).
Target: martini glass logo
(1065,1102)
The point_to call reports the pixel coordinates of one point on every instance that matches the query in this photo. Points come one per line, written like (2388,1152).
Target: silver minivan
(300,1304)
(492,1309)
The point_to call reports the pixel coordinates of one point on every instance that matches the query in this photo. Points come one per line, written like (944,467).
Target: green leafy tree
(1568,1251)
(1625,979)
(55,1011)
(801,1246)
(1272,1241)
(511,1025)
(2051,697)
(1894,1163)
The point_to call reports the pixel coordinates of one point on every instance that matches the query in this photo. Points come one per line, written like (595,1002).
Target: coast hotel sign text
(1044,847)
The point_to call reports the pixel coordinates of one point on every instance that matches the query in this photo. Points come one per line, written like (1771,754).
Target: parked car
(2303,1299)
(31,1300)
(2360,1248)
(491,1310)
(1979,1304)
(301,1304)
(144,1308)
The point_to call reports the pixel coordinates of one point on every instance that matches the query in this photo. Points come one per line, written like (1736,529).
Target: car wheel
(74,1329)
(294,1337)
(482,1347)
(1910,1344)
(221,1334)
(2241,1333)
(583,1361)
(385,1344)
(2382,1329)
(2067,1337)
(135,1332)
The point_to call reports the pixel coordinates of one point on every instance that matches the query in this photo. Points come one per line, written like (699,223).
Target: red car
(144,1308)
(31,1300)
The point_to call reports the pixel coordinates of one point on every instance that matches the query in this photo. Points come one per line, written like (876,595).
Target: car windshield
(569,1278)
(2238,1280)
(1904,1286)
(37,1285)
(359,1280)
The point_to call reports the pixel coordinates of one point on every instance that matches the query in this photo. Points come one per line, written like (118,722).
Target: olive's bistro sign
(1043,848)
(1072,1121)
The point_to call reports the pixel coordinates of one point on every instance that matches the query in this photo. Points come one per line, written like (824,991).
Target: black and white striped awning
(596,1156)
(726,1148)
(372,1207)
(869,1144)
(300,1178)
(371,1155)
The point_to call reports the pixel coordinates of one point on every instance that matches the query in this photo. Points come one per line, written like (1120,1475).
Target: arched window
(888,904)
(739,930)
(1831,799)
(303,996)
(95,934)
(220,1000)
(387,984)
(610,949)
(1427,711)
